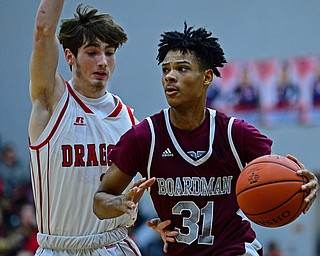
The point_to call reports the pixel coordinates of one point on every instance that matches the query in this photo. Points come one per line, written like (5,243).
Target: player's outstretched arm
(46,85)
(312,187)
(166,235)
(45,52)
(109,202)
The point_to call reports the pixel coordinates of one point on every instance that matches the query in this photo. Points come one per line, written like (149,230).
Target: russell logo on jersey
(79,121)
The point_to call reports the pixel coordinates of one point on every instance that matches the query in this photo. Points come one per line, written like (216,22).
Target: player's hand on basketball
(311,187)
(142,185)
(166,235)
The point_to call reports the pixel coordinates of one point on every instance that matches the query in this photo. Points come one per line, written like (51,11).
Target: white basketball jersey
(67,164)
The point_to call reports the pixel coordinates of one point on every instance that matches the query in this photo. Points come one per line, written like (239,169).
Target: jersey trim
(131,115)
(233,148)
(74,95)
(151,149)
(117,110)
(180,150)
(55,127)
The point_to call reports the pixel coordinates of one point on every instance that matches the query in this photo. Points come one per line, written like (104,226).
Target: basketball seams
(300,209)
(272,162)
(294,216)
(276,207)
(269,183)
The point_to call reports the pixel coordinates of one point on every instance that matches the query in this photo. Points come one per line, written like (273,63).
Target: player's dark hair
(198,42)
(87,26)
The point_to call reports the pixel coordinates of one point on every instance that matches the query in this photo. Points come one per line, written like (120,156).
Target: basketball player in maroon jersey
(195,155)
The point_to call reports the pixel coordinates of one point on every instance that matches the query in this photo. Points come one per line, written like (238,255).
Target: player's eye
(165,70)
(109,53)
(182,68)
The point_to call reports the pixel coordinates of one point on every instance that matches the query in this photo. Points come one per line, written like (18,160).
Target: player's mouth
(171,90)
(100,75)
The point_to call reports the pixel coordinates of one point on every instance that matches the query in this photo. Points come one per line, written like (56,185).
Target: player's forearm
(106,206)
(48,16)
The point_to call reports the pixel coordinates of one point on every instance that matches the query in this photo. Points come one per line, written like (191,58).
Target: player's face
(94,66)
(183,80)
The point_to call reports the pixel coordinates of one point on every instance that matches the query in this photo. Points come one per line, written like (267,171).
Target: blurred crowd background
(17,213)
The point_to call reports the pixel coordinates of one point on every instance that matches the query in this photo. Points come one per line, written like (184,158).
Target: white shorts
(111,243)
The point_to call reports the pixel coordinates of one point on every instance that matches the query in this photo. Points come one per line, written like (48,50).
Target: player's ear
(69,56)
(208,77)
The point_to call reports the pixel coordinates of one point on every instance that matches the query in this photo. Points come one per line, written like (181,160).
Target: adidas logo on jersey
(167,153)
(79,121)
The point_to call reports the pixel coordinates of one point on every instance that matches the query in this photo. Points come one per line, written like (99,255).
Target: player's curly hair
(199,42)
(87,26)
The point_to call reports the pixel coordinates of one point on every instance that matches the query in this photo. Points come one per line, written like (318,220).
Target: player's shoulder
(221,119)
(154,119)
(142,129)
(237,123)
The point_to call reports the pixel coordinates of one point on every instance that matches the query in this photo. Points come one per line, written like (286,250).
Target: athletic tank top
(68,161)
(196,175)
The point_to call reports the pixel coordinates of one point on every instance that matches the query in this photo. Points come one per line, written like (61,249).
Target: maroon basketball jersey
(196,173)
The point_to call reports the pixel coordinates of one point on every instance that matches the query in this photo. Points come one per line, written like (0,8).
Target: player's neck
(187,120)
(89,90)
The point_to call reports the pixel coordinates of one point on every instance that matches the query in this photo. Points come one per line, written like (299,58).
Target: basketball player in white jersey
(73,125)
(195,154)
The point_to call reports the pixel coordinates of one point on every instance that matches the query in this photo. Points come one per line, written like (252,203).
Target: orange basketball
(269,191)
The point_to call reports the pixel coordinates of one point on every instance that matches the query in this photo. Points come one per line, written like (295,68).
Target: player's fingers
(138,182)
(294,159)
(131,193)
(163,224)
(153,222)
(312,180)
(143,185)
(312,187)
(309,203)
(169,236)
(130,209)
(311,196)
(165,247)
(128,205)
(146,184)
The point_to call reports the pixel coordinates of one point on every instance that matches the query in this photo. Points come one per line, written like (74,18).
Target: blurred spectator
(17,212)
(23,238)
(4,240)
(13,173)
(274,249)
(16,184)
(245,93)
(316,88)
(287,91)
(212,94)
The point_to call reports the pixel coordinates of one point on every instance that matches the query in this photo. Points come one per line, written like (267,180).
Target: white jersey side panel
(67,163)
